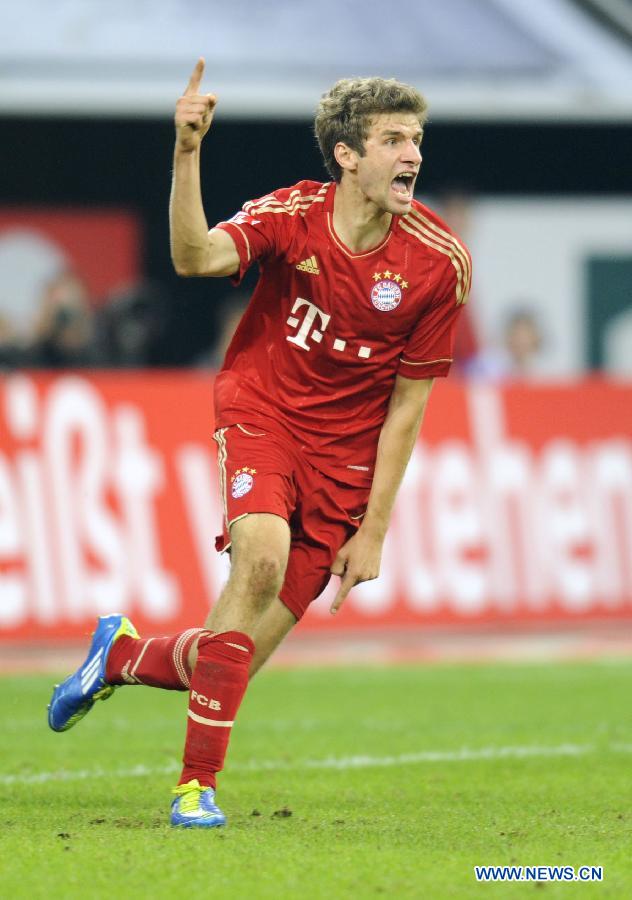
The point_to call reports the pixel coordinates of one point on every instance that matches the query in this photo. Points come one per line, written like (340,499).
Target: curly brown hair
(344,113)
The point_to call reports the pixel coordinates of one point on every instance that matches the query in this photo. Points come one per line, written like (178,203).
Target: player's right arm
(195,250)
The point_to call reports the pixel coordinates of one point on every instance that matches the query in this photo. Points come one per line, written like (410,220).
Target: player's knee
(263,571)
(266,574)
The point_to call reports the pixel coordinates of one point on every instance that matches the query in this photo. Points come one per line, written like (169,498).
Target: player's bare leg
(248,613)
(274,625)
(260,544)
(248,604)
(225,651)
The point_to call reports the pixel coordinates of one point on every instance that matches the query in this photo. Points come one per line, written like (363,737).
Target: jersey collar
(328,209)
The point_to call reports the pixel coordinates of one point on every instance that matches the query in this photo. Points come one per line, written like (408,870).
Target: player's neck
(359,223)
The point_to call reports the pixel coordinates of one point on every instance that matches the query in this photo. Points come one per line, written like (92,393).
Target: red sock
(218,684)
(156,662)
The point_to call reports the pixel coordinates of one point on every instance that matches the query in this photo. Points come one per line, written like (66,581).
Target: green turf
(404,830)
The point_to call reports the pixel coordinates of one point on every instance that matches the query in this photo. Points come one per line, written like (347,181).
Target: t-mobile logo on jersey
(313,312)
(306,330)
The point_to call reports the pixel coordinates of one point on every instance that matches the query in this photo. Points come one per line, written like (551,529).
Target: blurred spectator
(132,326)
(232,308)
(10,348)
(519,356)
(64,329)
(29,261)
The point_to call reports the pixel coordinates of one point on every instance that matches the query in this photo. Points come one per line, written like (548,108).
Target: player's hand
(194,112)
(358,560)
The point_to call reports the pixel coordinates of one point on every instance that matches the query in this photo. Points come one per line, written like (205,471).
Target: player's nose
(412,153)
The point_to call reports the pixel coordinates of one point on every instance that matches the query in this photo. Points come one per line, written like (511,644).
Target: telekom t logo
(313,312)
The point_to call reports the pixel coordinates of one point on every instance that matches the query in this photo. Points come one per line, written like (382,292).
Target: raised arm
(195,250)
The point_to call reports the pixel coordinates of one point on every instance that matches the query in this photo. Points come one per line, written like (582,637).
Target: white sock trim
(178,659)
(136,664)
(213,722)
(237,646)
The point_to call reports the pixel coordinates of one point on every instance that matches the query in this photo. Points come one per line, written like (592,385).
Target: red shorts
(263,473)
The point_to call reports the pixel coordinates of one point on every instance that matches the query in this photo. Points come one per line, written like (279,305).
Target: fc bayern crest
(242,482)
(386,293)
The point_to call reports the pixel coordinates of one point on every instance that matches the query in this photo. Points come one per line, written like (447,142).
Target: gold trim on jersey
(296,203)
(461,296)
(300,206)
(445,237)
(221,463)
(341,246)
(433,236)
(429,362)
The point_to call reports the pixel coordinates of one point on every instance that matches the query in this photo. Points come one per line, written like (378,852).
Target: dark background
(124,163)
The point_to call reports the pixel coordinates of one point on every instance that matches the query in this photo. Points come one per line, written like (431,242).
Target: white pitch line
(618,747)
(139,771)
(465,754)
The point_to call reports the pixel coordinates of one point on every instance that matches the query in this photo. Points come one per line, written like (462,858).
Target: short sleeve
(257,232)
(430,348)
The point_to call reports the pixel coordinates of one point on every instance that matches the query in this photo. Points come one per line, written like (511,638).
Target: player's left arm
(359,559)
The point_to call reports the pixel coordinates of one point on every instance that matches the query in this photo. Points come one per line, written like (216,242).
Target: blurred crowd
(58,325)
(129,330)
(67,330)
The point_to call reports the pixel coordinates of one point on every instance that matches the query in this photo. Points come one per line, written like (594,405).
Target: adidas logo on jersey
(309,265)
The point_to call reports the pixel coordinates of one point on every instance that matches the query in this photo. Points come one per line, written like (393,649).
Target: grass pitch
(340,783)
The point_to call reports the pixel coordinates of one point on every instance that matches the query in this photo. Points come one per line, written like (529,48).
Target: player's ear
(346,158)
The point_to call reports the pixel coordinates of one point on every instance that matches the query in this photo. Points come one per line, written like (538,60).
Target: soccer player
(318,404)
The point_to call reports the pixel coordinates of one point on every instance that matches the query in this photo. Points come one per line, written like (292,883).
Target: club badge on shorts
(242,482)
(386,293)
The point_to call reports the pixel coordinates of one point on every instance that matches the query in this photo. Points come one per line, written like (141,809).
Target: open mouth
(402,184)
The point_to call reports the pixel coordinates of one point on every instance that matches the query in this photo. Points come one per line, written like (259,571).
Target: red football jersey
(327,330)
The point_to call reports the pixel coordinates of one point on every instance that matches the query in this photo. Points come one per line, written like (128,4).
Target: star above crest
(390,276)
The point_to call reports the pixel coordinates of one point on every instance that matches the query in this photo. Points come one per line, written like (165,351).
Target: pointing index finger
(346,584)
(193,87)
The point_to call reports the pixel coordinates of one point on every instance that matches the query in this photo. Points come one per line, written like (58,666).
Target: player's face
(388,170)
